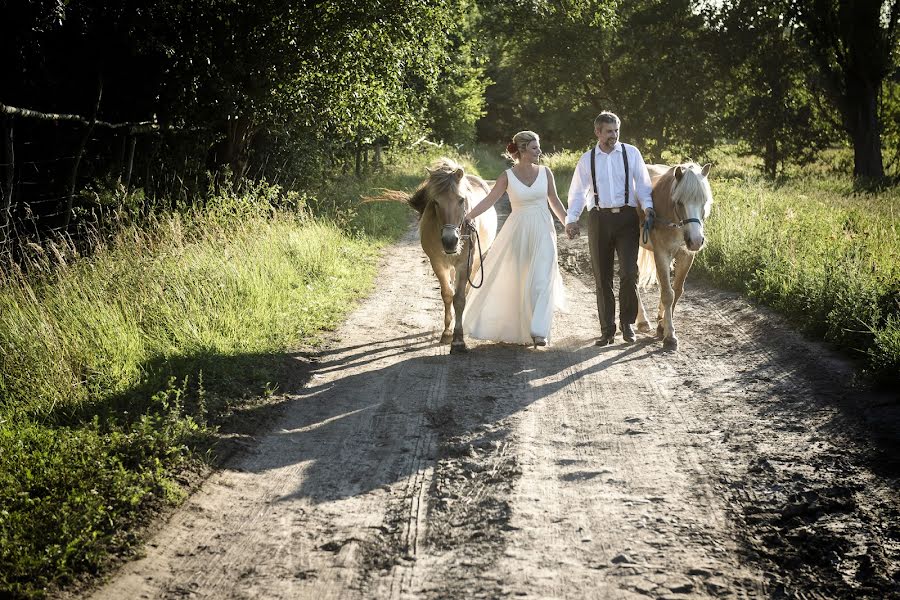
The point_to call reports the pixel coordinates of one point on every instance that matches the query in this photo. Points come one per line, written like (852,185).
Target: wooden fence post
(6,186)
(73,179)
(132,142)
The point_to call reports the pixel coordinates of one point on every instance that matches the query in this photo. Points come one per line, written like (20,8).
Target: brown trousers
(618,233)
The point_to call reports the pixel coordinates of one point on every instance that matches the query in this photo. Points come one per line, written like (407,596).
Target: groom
(611,180)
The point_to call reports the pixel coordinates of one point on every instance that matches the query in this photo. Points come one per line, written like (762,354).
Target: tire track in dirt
(336,491)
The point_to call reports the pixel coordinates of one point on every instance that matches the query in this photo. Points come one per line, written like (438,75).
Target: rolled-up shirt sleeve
(577,187)
(642,186)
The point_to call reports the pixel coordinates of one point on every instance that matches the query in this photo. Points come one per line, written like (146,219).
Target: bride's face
(532,154)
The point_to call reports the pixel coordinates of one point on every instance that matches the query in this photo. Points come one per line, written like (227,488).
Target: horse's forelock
(693,185)
(443,179)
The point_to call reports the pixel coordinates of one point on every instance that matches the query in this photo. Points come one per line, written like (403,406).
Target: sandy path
(743,466)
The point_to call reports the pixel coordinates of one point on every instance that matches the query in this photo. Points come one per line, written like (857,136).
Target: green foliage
(818,252)
(768,98)
(560,64)
(117,369)
(851,49)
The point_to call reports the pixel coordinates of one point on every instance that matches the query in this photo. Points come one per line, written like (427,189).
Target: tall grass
(814,248)
(116,368)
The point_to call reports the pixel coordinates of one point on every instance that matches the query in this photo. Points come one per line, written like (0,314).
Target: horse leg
(642,324)
(443,275)
(666,301)
(459,306)
(683,262)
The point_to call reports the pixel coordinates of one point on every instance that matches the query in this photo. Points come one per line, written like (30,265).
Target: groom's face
(607,135)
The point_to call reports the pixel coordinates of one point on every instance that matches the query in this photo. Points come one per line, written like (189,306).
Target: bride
(522,285)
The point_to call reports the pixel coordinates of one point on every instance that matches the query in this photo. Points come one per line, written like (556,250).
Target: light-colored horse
(442,201)
(682,199)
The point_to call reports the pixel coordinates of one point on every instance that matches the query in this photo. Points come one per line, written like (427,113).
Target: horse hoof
(660,331)
(458,348)
(446,338)
(670,343)
(644,327)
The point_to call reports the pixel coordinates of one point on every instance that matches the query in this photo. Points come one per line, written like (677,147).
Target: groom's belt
(615,209)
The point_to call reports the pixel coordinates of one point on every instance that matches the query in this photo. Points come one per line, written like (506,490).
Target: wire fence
(63,174)
(60,172)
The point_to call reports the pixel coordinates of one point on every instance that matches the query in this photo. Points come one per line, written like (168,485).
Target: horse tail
(646,268)
(418,200)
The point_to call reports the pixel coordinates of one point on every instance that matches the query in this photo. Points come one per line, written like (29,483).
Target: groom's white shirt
(610,181)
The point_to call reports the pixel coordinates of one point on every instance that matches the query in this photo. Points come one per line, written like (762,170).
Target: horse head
(449,192)
(692,199)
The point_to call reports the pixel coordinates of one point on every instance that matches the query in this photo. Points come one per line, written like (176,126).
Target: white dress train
(522,285)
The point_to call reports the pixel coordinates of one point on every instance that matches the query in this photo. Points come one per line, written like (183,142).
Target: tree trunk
(865,131)
(132,142)
(770,159)
(376,159)
(120,158)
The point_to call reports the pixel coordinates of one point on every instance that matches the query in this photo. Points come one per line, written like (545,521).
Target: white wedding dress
(522,284)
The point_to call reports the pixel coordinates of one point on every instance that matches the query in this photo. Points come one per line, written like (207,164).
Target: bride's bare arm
(491,198)
(555,204)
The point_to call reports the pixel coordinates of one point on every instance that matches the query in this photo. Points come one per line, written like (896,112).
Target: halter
(650,223)
(470,258)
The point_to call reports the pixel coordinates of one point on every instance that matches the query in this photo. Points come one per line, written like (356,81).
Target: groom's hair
(607,117)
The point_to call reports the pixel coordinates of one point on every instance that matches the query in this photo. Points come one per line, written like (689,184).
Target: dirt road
(742,466)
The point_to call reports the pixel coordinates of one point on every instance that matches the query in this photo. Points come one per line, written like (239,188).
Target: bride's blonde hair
(519,142)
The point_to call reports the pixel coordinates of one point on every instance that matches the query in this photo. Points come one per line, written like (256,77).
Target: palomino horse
(682,199)
(442,201)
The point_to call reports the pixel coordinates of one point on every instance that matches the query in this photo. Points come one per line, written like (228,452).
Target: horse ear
(705,170)
(459,173)
(679,172)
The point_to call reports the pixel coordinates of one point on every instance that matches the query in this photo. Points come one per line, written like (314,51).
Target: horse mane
(693,184)
(442,179)
(669,190)
(419,200)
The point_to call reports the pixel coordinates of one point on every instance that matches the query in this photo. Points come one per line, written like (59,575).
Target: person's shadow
(379,425)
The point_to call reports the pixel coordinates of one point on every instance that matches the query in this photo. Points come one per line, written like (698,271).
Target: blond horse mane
(692,186)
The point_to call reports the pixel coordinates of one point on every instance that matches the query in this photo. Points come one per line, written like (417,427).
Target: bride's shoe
(539,340)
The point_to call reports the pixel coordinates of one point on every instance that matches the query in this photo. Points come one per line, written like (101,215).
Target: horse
(682,200)
(442,200)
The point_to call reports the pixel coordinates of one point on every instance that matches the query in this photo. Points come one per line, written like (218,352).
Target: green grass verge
(117,368)
(815,249)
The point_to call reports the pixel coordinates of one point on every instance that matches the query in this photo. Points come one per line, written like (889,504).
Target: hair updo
(519,143)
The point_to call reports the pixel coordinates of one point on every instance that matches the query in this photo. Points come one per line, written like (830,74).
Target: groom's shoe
(606,338)
(628,332)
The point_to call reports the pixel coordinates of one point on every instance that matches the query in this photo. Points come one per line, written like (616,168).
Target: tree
(855,46)
(768,101)
(561,63)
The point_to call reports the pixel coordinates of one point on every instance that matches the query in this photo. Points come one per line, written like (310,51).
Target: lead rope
(471,257)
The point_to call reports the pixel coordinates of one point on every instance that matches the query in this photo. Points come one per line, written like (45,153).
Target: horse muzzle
(694,242)
(693,237)
(450,239)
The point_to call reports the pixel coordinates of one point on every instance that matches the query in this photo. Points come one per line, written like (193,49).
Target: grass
(814,248)
(117,368)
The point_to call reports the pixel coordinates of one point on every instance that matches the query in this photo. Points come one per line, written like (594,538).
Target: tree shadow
(349,435)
